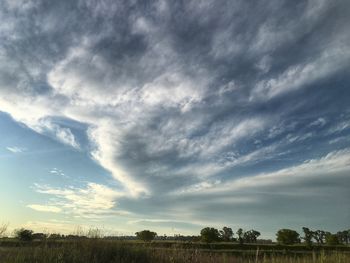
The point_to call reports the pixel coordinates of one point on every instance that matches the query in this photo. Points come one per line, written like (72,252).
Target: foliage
(344,236)
(24,234)
(210,234)
(251,236)
(3,229)
(240,234)
(100,251)
(226,234)
(319,236)
(55,236)
(331,239)
(39,236)
(287,236)
(308,234)
(146,235)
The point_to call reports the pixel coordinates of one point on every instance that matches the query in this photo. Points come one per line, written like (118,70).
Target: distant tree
(251,236)
(55,236)
(210,234)
(24,234)
(344,236)
(94,233)
(331,239)
(319,236)
(146,235)
(240,234)
(308,234)
(287,236)
(3,229)
(39,236)
(226,234)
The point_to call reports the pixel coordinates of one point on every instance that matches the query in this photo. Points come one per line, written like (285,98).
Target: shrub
(24,234)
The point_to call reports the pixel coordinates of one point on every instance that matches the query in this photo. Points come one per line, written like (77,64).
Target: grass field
(101,251)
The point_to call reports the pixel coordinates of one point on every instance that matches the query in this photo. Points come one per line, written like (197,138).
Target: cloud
(15,149)
(90,202)
(334,162)
(45,208)
(57,172)
(299,76)
(319,122)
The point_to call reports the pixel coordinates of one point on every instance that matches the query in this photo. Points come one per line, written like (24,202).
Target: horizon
(175,115)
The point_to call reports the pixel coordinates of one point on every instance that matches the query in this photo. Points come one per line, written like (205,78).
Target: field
(101,251)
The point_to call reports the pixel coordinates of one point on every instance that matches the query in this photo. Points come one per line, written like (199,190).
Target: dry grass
(99,251)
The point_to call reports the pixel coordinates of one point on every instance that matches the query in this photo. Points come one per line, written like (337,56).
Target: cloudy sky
(175,115)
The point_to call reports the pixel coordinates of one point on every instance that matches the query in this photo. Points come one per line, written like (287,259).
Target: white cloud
(45,208)
(57,172)
(64,135)
(333,163)
(300,75)
(15,149)
(92,201)
(320,122)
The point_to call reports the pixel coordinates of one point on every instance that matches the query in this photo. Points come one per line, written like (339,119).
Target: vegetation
(210,234)
(3,229)
(287,236)
(212,245)
(307,236)
(101,251)
(226,234)
(146,235)
(240,235)
(24,234)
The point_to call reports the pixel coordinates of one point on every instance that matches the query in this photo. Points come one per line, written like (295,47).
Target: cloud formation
(181,96)
(90,201)
(45,208)
(15,149)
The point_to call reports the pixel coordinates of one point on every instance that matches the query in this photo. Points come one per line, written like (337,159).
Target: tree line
(208,235)
(283,236)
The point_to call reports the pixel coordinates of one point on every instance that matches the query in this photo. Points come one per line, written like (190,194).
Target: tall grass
(102,251)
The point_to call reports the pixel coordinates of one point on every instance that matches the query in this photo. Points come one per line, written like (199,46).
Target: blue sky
(174,115)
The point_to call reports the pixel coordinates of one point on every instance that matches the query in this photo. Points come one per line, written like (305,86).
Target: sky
(175,115)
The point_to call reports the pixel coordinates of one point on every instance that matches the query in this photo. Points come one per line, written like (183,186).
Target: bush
(146,235)
(24,234)
(210,234)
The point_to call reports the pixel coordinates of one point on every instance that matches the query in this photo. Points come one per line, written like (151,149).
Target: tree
(24,234)
(251,236)
(287,236)
(210,234)
(146,235)
(240,235)
(3,229)
(331,239)
(226,234)
(344,236)
(308,234)
(55,236)
(319,236)
(39,236)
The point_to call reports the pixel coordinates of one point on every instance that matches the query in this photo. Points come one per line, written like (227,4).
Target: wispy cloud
(57,172)
(45,208)
(15,149)
(92,201)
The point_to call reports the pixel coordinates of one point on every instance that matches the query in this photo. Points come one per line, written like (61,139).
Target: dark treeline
(208,235)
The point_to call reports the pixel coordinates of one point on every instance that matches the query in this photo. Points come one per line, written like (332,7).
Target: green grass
(102,251)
